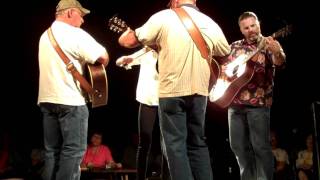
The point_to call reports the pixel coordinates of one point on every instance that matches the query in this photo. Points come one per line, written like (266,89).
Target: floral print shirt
(258,91)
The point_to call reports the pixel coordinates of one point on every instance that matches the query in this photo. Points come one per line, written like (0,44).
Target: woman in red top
(98,155)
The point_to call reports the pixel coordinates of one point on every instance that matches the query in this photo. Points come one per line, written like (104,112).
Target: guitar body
(237,74)
(214,73)
(97,77)
(226,88)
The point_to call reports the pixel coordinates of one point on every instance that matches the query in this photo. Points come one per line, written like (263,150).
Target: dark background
(295,87)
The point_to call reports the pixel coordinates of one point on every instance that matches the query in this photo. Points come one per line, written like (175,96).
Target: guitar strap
(70,66)
(197,38)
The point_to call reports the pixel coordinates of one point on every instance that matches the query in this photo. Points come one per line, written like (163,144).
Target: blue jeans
(249,134)
(182,121)
(65,140)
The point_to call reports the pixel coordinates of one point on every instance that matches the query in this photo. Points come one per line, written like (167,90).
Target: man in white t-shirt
(61,100)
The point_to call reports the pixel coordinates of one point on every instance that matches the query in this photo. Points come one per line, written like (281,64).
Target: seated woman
(304,162)
(98,155)
(281,171)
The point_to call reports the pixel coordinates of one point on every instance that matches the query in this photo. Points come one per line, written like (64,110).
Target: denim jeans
(182,121)
(249,134)
(65,140)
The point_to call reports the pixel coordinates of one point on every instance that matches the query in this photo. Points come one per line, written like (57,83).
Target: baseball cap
(66,4)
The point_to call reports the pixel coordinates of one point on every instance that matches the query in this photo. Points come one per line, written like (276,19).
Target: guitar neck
(141,52)
(136,57)
(280,33)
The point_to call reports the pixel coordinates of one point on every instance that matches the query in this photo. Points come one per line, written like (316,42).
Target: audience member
(304,162)
(4,153)
(282,169)
(36,169)
(12,161)
(98,155)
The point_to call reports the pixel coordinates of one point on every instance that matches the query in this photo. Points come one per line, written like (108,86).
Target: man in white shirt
(61,100)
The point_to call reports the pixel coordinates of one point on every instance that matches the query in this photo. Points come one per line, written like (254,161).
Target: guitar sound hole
(235,69)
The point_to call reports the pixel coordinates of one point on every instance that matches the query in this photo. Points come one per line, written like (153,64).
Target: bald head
(177,3)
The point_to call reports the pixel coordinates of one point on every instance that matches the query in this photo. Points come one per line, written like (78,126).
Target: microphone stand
(316,157)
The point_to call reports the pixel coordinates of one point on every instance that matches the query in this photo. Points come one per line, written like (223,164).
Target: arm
(281,159)
(280,165)
(129,39)
(104,59)
(124,61)
(84,159)
(300,160)
(134,59)
(277,51)
(110,163)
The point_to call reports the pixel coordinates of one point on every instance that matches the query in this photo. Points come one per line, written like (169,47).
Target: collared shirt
(182,70)
(258,91)
(56,84)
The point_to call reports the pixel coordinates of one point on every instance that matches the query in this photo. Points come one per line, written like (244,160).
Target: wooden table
(108,174)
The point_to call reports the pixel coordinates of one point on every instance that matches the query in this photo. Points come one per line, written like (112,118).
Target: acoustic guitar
(94,82)
(237,74)
(97,77)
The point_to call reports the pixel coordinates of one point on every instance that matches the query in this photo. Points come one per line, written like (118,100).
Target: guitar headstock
(282,32)
(117,25)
